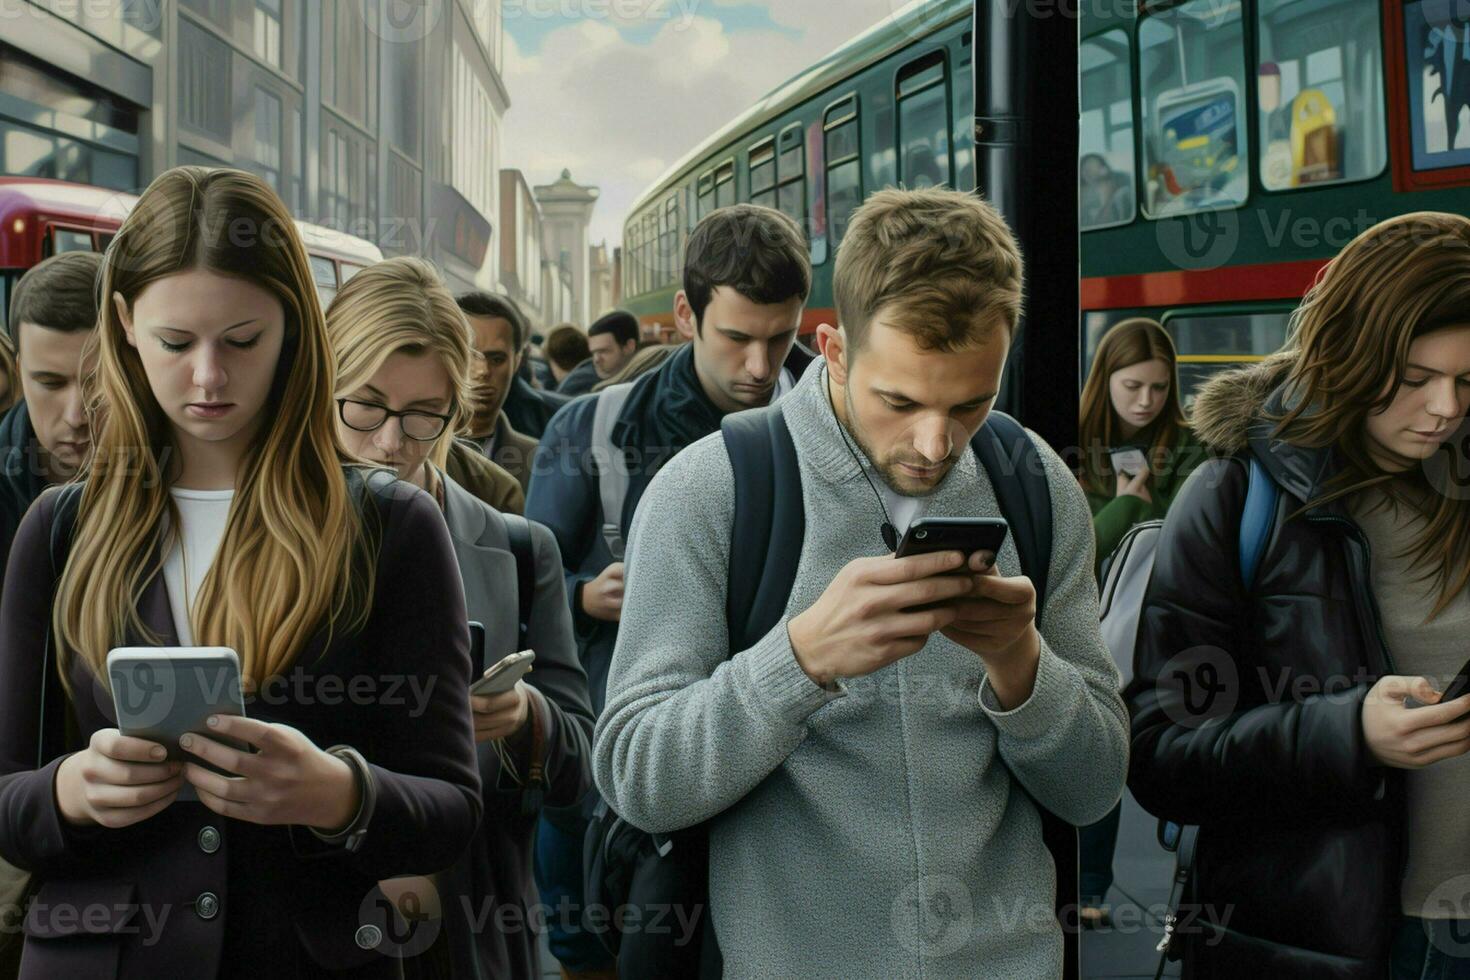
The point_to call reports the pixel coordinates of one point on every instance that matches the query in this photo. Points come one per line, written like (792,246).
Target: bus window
(706,193)
(791,171)
(1319,92)
(1208,343)
(66,240)
(670,248)
(1437,42)
(1105,135)
(725,184)
(844,164)
(1191,71)
(324,273)
(349,270)
(923,123)
(763,173)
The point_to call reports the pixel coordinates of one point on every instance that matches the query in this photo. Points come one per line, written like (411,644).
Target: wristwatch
(350,837)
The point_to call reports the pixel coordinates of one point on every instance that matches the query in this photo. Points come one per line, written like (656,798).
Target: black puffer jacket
(1246,713)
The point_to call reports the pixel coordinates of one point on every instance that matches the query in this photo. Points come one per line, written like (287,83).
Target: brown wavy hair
(1129,342)
(295,555)
(1397,281)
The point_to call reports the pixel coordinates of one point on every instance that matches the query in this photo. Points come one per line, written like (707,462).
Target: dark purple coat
(188,893)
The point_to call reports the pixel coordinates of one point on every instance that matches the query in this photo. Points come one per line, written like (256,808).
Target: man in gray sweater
(869,766)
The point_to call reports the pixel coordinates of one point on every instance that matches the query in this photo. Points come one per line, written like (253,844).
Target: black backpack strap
(518,529)
(766,536)
(1019,477)
(52,735)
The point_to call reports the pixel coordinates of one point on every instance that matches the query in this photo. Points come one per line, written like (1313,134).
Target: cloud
(618,113)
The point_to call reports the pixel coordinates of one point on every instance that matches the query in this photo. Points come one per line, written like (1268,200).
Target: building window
(268,31)
(216,12)
(345,68)
(1319,92)
(1437,39)
(1192,66)
(472,172)
(844,164)
(298,161)
(204,83)
(27,152)
(923,122)
(1105,164)
(268,136)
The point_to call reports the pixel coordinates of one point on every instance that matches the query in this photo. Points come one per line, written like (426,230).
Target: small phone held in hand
(1128,460)
(503,675)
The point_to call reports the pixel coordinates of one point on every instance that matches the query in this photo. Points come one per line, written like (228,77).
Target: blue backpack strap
(1256,520)
(1019,477)
(769,525)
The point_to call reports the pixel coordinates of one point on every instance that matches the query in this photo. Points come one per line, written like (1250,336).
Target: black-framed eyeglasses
(370,416)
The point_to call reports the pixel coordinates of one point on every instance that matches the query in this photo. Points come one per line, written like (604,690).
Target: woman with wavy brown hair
(1289,700)
(220,509)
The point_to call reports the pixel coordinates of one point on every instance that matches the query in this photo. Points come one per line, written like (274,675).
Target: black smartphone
(967,534)
(1458,686)
(477,644)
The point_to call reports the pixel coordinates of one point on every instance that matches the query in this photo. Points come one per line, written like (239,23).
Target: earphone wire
(886,531)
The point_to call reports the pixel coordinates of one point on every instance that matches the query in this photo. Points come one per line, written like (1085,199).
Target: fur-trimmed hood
(1232,400)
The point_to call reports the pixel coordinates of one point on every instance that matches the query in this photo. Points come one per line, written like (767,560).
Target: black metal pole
(1026,117)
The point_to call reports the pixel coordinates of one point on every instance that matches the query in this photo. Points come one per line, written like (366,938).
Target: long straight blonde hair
(295,556)
(401,305)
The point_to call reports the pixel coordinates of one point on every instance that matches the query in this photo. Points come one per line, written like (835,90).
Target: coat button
(368,937)
(209,840)
(206,906)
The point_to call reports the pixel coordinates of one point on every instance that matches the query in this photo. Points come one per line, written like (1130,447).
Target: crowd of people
(753,742)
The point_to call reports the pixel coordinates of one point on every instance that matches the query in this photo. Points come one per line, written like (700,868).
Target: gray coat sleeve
(689,730)
(1068,742)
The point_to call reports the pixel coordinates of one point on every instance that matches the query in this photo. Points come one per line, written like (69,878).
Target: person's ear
(123,317)
(832,344)
(684,320)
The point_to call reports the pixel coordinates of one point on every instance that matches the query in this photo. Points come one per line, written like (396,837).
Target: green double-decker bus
(1226,150)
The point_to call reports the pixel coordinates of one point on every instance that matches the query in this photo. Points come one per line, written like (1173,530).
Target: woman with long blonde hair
(404,387)
(220,509)
(1308,607)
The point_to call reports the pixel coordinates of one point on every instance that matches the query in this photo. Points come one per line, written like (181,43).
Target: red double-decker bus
(40,218)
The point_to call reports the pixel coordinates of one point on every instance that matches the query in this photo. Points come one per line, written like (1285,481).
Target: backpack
(612,466)
(1125,578)
(627,866)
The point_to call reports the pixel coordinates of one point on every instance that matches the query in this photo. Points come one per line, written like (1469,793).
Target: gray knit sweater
(879,831)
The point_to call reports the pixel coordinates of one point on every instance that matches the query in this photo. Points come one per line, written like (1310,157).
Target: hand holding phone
(498,707)
(502,675)
(1128,460)
(967,535)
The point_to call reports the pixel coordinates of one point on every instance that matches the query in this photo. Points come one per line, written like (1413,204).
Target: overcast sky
(618,90)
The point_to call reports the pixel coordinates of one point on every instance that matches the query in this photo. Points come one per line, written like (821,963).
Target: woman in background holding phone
(403,363)
(1131,400)
(1130,403)
(219,508)
(1331,813)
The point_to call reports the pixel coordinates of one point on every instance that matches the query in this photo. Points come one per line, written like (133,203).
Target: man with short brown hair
(879,758)
(45,438)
